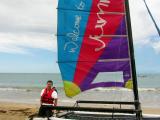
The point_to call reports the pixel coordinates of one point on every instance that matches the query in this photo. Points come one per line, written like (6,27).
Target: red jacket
(47,96)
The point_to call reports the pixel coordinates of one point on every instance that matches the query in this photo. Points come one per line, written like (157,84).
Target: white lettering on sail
(100,24)
(72,45)
(81,6)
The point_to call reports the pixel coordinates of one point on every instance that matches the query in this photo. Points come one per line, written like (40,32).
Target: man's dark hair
(50,81)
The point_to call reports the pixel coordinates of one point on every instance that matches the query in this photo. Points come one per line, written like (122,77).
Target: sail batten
(92,39)
(101,35)
(104,12)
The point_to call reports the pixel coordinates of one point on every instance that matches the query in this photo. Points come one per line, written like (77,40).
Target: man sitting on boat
(49,98)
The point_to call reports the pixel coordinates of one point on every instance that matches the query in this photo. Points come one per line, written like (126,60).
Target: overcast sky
(28,42)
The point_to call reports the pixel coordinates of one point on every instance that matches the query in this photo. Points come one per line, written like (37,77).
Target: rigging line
(158,30)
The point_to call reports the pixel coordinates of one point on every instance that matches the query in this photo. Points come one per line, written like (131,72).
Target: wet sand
(19,111)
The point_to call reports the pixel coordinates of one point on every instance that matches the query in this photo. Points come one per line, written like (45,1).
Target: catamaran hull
(92,116)
(51,118)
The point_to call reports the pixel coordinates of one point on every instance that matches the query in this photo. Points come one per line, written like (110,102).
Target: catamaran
(94,39)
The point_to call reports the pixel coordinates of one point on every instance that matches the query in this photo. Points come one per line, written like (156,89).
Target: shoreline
(20,111)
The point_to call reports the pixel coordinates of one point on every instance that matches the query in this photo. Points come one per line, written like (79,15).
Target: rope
(155,24)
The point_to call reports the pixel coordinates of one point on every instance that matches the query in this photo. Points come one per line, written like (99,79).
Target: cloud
(29,24)
(19,43)
(156,46)
(144,31)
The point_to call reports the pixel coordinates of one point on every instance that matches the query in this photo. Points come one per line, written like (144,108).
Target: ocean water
(37,80)
(26,87)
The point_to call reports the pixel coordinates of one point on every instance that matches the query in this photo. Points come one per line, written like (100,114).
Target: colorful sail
(92,42)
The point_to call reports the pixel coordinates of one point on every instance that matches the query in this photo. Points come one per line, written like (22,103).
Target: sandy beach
(19,111)
(16,111)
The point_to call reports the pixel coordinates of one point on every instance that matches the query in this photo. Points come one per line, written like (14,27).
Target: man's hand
(55,102)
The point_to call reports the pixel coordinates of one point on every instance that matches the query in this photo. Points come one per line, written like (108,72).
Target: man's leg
(41,112)
(48,112)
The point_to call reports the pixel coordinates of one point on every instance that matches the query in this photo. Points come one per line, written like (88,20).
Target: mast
(133,65)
